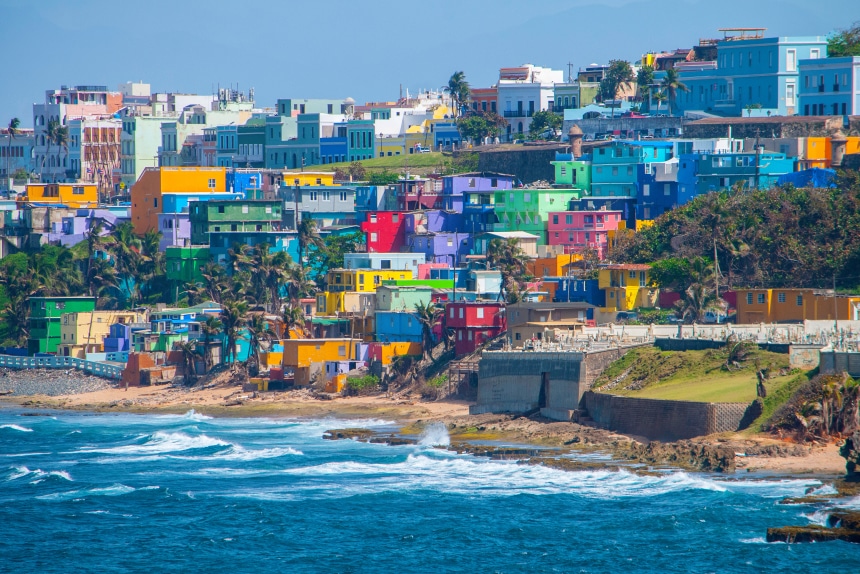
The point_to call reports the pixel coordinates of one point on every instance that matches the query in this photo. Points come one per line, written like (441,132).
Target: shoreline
(730,453)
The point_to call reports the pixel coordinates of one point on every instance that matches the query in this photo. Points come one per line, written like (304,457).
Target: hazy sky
(339,48)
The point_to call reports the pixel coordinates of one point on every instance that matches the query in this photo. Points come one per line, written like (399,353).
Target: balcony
(519,113)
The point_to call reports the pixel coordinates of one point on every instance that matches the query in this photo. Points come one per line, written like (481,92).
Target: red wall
(390,235)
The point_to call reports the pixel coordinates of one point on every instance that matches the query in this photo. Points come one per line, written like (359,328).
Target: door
(543,397)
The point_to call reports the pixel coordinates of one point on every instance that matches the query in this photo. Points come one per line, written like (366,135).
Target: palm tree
(210,327)
(125,249)
(459,90)
(507,256)
(233,318)
(294,318)
(56,134)
(659,97)
(258,331)
(428,315)
(189,352)
(308,236)
(672,84)
(12,130)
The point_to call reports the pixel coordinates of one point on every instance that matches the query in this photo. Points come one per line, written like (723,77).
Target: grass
(777,397)
(418,164)
(692,376)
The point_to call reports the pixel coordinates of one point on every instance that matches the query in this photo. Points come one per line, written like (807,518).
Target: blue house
(334,148)
(658,189)
(398,326)
(454,186)
(725,170)
(830,86)
(571,290)
(615,167)
(446,134)
(750,70)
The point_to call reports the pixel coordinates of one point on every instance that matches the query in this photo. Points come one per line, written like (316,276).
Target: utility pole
(757,159)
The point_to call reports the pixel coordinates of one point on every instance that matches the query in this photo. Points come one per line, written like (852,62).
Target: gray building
(333,205)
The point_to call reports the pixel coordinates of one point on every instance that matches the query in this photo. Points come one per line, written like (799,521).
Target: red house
(385,231)
(576,230)
(474,323)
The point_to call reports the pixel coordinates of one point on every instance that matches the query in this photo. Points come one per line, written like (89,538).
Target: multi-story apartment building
(830,86)
(522,91)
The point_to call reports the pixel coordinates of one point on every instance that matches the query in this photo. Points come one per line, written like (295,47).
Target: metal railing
(519,113)
(92,367)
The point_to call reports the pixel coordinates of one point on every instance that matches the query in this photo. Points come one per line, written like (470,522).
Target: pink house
(577,230)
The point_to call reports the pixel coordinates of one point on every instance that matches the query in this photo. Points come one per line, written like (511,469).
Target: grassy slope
(691,376)
(394,162)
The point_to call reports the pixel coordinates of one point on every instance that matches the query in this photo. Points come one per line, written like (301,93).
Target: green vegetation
(701,376)
(779,237)
(417,164)
(438,382)
(544,125)
(845,42)
(357,385)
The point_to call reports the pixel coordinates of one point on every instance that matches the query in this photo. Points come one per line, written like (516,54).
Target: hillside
(779,237)
(700,376)
(415,164)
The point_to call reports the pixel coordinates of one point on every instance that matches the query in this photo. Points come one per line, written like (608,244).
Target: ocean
(84,492)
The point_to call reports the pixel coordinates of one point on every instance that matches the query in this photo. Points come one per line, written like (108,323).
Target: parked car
(714,317)
(625,316)
(421,149)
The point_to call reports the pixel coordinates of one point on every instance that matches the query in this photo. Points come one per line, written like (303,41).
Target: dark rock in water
(850,451)
(392,440)
(684,454)
(812,533)
(811,500)
(844,519)
(345,434)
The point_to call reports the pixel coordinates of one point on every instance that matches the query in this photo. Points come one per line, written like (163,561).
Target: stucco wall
(662,420)
(527,163)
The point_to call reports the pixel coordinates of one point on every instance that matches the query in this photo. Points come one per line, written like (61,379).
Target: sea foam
(435,434)
(16,427)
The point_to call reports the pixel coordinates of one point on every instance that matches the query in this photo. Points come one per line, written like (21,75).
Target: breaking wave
(16,427)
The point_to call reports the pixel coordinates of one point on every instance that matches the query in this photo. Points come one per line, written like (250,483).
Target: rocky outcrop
(682,454)
(850,451)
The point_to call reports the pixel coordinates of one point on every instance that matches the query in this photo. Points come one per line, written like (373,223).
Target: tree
(258,332)
(476,126)
(56,134)
(845,42)
(510,260)
(459,90)
(544,121)
(659,97)
(12,131)
(428,315)
(672,84)
(124,248)
(618,78)
(644,79)
(385,177)
(356,171)
(330,255)
(211,327)
(308,237)
(233,318)
(188,349)
(294,318)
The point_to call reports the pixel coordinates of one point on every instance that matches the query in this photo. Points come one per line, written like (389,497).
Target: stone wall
(527,163)
(663,420)
(775,127)
(840,361)
(688,344)
(804,356)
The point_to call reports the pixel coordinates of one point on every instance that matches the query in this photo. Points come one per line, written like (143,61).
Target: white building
(523,91)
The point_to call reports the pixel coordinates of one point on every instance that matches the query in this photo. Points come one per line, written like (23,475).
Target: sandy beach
(753,453)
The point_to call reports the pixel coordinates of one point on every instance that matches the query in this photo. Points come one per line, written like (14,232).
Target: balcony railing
(519,113)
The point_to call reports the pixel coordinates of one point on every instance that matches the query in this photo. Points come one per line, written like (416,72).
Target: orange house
(72,195)
(147,194)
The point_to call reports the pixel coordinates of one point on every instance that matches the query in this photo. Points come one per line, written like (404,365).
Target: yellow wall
(391,350)
(146,194)
(364,280)
(310,178)
(303,352)
(625,293)
(91,328)
(815,306)
(73,195)
(552,266)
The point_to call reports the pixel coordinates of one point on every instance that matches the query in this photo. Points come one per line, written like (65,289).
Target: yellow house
(555,266)
(308,178)
(306,356)
(627,287)
(147,200)
(84,332)
(388,351)
(72,195)
(330,303)
(363,280)
(790,305)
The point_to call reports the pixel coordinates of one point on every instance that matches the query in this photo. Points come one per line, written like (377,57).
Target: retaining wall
(839,361)
(91,367)
(663,420)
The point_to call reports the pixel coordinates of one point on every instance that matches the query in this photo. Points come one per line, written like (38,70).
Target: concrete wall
(606,125)
(663,420)
(775,127)
(839,361)
(804,356)
(511,381)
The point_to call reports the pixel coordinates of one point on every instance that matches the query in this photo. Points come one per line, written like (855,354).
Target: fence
(92,367)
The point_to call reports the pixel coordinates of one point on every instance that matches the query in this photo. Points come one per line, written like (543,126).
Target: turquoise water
(130,493)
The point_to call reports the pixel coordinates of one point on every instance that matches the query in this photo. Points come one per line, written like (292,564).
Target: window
(555,219)
(211,183)
(80,191)
(244,209)
(760,298)
(789,94)
(568,219)
(220,209)
(395,217)
(633,275)
(800,300)
(452,313)
(373,237)
(646,189)
(781,297)
(480,311)
(814,54)
(461,312)
(749,298)
(154,202)
(791,60)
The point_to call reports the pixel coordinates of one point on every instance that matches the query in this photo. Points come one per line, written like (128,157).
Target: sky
(340,48)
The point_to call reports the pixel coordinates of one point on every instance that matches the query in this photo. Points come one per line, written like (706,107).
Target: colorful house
(363,280)
(455,186)
(579,230)
(615,167)
(528,209)
(795,305)
(402,326)
(627,287)
(147,193)
(725,170)
(830,86)
(573,173)
(385,231)
(185,264)
(402,298)
(85,332)
(535,320)
(474,323)
(305,357)
(71,195)
(45,322)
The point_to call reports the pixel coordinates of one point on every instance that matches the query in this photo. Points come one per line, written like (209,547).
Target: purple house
(453,186)
(437,234)
(73,229)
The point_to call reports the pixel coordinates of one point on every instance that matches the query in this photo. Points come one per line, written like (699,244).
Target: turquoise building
(714,172)
(615,167)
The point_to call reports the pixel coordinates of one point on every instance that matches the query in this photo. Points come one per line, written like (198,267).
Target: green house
(233,216)
(573,174)
(432,283)
(185,264)
(401,297)
(46,320)
(528,209)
